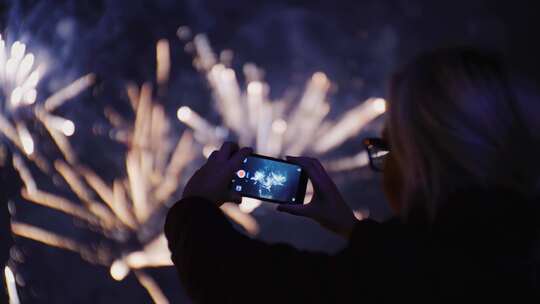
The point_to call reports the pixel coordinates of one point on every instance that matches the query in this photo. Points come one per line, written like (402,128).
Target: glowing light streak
(24,173)
(224,85)
(73,89)
(76,184)
(59,203)
(121,206)
(52,124)
(26,139)
(181,157)
(350,124)
(203,130)
(11,285)
(163,61)
(348,163)
(206,57)
(152,287)
(10,132)
(152,255)
(54,240)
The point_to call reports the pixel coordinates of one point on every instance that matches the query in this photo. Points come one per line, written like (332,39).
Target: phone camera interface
(267,179)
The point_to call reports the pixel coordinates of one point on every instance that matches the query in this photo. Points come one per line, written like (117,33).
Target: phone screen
(270,179)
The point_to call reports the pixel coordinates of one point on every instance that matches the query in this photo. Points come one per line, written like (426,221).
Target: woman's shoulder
(499,215)
(487,239)
(480,241)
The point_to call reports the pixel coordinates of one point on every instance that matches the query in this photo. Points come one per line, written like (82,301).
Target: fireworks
(273,127)
(132,207)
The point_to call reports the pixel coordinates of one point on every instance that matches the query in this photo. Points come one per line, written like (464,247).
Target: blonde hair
(454,123)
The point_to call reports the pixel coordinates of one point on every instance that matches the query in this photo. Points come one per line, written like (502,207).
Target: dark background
(357,43)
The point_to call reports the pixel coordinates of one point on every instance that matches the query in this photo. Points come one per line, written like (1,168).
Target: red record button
(241,173)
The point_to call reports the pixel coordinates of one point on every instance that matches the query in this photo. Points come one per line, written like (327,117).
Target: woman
(460,169)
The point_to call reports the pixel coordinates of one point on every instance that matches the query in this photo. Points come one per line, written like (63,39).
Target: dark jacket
(481,247)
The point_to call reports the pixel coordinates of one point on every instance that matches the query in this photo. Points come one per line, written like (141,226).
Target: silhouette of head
(454,122)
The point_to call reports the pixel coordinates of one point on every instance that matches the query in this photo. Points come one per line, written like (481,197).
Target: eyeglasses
(377,150)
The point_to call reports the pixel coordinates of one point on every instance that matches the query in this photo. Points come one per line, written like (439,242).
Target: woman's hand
(212,180)
(327,206)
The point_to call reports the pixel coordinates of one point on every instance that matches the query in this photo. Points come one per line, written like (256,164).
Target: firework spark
(273,127)
(19,78)
(11,286)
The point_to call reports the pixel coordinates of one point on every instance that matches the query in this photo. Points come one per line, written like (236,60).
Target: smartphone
(270,179)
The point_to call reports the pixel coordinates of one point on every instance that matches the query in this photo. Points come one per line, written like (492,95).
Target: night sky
(356,43)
